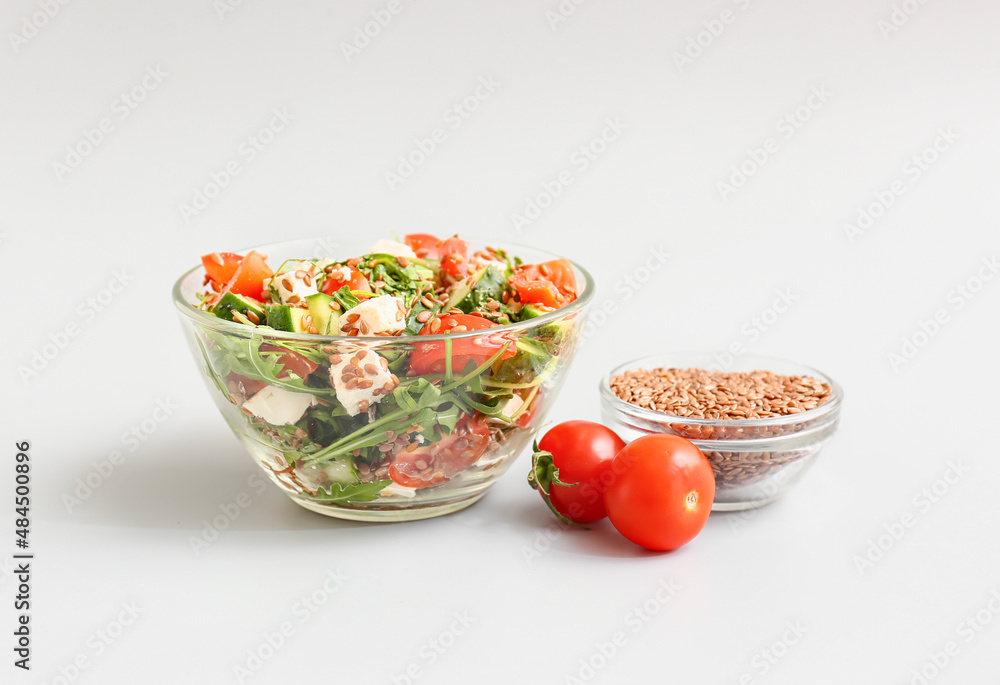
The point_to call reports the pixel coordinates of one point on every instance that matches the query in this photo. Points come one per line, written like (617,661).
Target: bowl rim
(186,308)
(830,407)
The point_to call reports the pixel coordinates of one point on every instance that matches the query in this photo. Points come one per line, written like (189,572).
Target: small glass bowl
(756,461)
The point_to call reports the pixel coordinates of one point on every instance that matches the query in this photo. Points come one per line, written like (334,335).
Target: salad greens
(371,406)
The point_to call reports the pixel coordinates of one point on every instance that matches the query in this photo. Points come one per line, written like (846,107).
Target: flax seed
(370,369)
(423,316)
(286,283)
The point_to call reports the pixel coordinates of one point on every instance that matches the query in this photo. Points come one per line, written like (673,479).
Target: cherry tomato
(662,491)
(423,244)
(572,466)
(220,267)
(430,357)
(454,245)
(248,387)
(455,267)
(427,246)
(292,361)
(345,275)
(552,284)
(435,463)
(248,279)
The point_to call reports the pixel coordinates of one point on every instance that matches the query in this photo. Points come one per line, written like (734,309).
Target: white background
(65,232)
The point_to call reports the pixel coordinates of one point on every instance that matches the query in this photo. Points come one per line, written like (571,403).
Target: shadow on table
(541,533)
(180,483)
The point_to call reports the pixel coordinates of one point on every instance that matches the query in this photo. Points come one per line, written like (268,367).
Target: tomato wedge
(429,358)
(427,246)
(353,278)
(550,283)
(248,279)
(220,267)
(292,361)
(437,462)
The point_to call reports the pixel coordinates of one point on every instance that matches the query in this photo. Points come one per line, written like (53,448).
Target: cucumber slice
(282,317)
(326,320)
(231,302)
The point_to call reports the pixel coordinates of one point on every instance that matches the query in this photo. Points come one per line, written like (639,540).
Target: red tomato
(337,280)
(423,244)
(292,361)
(248,279)
(454,245)
(435,463)
(220,267)
(248,387)
(430,357)
(550,283)
(662,491)
(455,267)
(571,468)
(427,246)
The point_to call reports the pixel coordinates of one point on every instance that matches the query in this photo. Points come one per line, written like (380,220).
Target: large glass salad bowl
(387,427)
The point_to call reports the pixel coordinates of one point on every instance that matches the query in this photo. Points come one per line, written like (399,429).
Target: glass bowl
(756,461)
(343,466)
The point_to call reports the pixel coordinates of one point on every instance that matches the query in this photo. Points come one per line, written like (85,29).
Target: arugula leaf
(356,492)
(345,298)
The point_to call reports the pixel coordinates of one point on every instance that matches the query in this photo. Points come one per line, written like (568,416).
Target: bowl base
(742,506)
(391,515)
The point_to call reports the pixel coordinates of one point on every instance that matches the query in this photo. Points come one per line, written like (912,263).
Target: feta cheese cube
(382,315)
(296,284)
(279,406)
(391,247)
(361,378)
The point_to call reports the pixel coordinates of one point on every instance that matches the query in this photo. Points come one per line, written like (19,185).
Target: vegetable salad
(357,416)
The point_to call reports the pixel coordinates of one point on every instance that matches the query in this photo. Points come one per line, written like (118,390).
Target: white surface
(540,94)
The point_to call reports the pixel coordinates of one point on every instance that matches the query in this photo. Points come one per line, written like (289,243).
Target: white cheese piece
(361,379)
(396,489)
(513,404)
(391,247)
(384,314)
(296,284)
(278,406)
